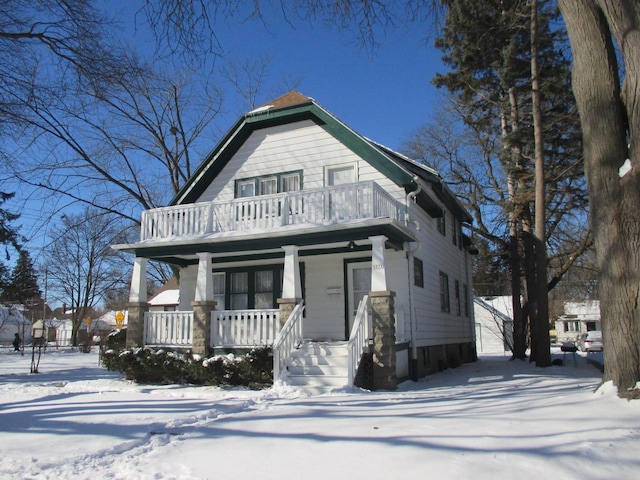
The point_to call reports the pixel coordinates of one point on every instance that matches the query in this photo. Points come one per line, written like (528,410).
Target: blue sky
(384,94)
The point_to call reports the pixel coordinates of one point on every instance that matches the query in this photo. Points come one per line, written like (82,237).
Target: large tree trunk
(540,341)
(615,198)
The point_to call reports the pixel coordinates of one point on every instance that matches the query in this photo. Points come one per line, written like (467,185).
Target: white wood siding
(298,146)
(439,254)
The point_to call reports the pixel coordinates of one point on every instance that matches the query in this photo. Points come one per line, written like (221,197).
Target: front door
(358,286)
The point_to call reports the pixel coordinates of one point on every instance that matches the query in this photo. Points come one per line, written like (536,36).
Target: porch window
(445,305)
(219,290)
(239,291)
(246,288)
(263,296)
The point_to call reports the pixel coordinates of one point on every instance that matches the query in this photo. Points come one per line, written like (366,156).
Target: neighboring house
(12,321)
(578,317)
(165,300)
(107,321)
(494,324)
(289,225)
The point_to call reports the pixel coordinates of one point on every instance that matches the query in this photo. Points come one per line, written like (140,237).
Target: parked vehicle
(590,341)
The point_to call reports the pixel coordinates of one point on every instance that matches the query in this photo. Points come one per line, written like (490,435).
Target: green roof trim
(246,125)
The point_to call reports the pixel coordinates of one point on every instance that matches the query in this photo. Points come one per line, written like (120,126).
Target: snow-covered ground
(492,419)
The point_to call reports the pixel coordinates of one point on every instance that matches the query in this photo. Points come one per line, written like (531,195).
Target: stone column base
(135,324)
(384,340)
(202,326)
(286,307)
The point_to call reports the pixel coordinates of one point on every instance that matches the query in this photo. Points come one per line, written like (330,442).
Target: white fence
(244,327)
(320,206)
(174,329)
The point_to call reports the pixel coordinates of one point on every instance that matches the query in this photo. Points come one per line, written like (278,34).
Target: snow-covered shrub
(145,365)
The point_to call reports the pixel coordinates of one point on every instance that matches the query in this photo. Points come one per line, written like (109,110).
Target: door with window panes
(358,286)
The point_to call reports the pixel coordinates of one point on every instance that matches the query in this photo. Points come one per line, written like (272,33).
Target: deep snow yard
(489,420)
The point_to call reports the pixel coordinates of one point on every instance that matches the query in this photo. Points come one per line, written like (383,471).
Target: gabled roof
(294,107)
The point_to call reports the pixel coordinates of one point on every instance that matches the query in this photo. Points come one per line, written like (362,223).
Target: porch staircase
(318,367)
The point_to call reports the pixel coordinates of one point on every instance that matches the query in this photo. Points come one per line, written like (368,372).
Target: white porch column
(378,265)
(138,292)
(291,286)
(204,279)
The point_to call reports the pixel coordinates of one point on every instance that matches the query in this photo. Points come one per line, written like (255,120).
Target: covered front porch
(328,227)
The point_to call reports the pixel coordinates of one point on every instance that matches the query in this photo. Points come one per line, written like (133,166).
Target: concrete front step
(319,367)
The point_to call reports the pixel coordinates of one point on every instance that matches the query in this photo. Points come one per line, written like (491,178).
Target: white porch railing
(170,329)
(321,206)
(244,327)
(289,338)
(358,339)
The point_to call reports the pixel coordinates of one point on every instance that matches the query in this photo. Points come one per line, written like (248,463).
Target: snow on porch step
(319,367)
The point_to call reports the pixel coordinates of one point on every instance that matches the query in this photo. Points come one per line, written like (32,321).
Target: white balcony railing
(244,327)
(171,329)
(322,206)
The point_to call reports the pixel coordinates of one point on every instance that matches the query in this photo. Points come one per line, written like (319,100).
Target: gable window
(290,182)
(418,273)
(245,188)
(340,175)
(269,184)
(445,305)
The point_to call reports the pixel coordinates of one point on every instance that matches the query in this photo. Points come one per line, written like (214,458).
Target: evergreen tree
(8,234)
(488,47)
(23,284)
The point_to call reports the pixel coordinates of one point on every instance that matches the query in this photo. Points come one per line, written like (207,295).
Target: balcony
(321,206)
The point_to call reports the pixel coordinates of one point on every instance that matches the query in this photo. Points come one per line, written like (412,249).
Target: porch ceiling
(311,240)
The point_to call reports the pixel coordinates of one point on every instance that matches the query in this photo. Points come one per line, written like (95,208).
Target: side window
(418,273)
(456,292)
(445,305)
(465,299)
(442,223)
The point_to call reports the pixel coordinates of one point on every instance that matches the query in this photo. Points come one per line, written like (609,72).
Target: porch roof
(312,240)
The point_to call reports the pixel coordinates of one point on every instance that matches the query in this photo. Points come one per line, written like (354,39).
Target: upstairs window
(269,184)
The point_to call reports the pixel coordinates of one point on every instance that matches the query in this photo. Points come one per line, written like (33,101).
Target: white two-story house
(299,233)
